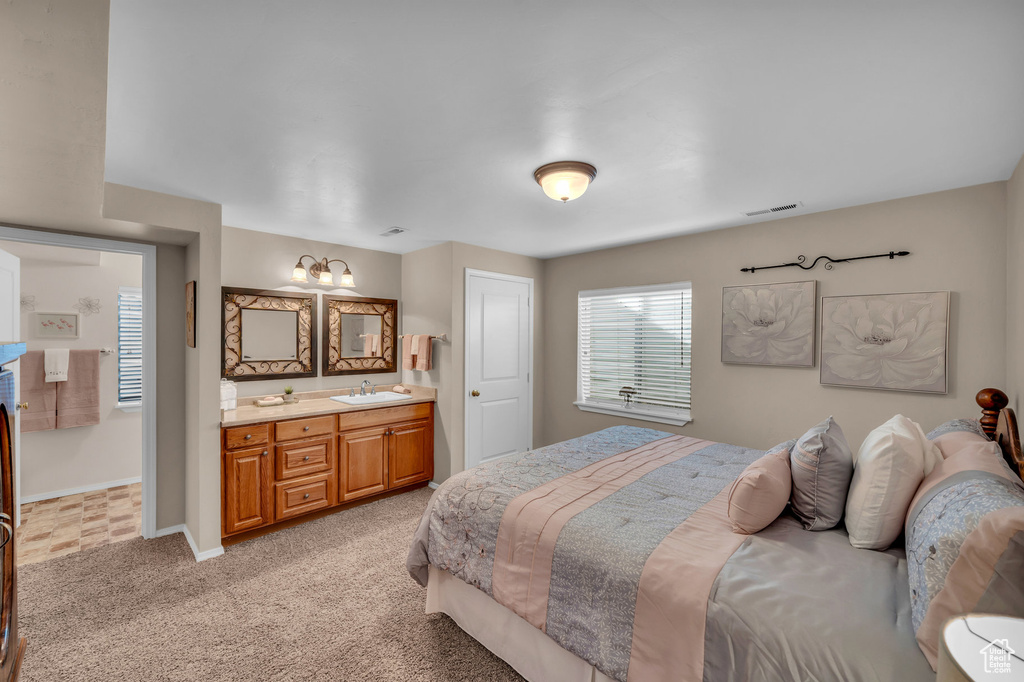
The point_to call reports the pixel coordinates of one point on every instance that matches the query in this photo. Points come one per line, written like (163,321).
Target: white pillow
(890,465)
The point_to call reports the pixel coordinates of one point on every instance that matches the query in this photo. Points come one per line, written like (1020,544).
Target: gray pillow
(822,466)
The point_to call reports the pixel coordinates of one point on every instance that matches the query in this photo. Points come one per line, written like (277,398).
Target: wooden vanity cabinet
(301,466)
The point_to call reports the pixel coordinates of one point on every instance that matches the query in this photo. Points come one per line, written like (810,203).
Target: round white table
(978,647)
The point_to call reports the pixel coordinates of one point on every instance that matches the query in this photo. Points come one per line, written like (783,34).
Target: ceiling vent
(392,231)
(775,209)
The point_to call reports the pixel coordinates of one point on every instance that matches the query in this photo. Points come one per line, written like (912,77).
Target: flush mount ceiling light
(565,180)
(321,271)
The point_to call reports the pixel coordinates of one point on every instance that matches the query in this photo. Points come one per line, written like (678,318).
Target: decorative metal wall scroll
(799,263)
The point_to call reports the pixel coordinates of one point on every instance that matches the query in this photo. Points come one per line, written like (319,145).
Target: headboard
(1000,423)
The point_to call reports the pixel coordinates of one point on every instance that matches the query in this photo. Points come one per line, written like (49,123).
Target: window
(634,352)
(129,347)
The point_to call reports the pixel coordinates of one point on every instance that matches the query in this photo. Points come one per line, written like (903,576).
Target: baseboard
(201,556)
(83,489)
(432,485)
(170,530)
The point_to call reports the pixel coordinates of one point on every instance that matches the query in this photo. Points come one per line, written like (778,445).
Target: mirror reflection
(361,336)
(269,334)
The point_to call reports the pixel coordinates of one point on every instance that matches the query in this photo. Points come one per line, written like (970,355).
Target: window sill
(679,419)
(129,407)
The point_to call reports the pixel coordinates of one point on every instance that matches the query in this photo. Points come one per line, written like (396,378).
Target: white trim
(201,556)
(170,530)
(82,489)
(148,253)
(129,407)
(682,419)
(619,291)
(531,376)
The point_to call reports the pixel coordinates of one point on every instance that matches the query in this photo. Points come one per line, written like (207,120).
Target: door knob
(475,393)
(23,406)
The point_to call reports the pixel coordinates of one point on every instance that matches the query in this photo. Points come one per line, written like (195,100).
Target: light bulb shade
(326,277)
(346,279)
(299,274)
(565,180)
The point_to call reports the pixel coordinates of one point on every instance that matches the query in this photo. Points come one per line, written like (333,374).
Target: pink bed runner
(671,604)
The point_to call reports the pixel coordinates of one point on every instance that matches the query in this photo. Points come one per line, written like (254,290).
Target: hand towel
(56,364)
(367,345)
(423,353)
(41,413)
(78,398)
(407,351)
(415,344)
(376,344)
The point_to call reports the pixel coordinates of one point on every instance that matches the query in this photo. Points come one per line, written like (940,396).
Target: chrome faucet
(362,386)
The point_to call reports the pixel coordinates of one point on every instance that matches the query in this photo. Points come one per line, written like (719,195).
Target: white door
(499,359)
(10,332)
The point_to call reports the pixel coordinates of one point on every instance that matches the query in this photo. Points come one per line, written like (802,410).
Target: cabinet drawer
(304,428)
(384,416)
(246,436)
(301,496)
(304,457)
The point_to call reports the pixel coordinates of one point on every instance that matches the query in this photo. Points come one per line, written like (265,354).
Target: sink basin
(371,398)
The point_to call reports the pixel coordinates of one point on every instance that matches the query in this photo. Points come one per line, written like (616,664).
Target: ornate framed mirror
(359,335)
(267,334)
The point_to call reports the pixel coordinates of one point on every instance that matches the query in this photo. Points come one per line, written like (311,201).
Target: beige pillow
(891,463)
(760,493)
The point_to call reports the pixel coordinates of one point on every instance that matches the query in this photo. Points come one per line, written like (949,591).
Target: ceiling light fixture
(321,271)
(565,180)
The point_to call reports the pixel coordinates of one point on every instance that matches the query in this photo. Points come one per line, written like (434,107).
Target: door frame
(148,253)
(470,273)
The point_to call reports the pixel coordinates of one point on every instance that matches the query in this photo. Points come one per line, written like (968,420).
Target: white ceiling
(337,120)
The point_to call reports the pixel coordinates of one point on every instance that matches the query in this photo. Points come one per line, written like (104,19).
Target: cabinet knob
(306,458)
(264,453)
(306,496)
(305,428)
(248,436)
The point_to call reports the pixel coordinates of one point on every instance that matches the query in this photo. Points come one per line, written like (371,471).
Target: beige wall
(955,239)
(53,70)
(88,456)
(260,260)
(1015,287)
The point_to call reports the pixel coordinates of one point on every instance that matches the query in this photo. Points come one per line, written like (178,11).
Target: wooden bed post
(991,400)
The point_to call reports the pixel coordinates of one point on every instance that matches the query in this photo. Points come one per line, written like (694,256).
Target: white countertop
(315,403)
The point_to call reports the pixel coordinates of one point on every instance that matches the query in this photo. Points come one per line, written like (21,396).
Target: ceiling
(337,120)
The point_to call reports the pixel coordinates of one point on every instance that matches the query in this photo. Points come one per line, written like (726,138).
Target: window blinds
(636,340)
(129,345)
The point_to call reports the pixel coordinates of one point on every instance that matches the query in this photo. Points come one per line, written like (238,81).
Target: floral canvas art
(769,324)
(890,341)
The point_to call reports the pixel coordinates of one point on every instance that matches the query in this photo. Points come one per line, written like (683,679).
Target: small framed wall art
(57,325)
(769,324)
(190,314)
(895,342)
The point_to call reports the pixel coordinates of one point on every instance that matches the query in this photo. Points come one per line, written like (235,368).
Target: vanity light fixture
(565,180)
(320,269)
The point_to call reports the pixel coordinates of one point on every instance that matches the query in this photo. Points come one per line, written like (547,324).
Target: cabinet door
(410,454)
(248,501)
(363,462)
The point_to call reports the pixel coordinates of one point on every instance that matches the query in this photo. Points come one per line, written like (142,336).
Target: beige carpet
(327,600)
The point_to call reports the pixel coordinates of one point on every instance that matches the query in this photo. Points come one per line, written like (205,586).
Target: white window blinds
(634,352)
(129,346)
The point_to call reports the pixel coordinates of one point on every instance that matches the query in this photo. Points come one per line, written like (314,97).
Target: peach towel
(78,398)
(407,361)
(41,413)
(422,351)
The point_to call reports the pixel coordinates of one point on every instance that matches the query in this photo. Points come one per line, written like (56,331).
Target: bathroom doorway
(94,471)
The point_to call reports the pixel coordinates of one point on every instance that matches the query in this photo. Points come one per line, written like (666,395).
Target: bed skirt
(533,654)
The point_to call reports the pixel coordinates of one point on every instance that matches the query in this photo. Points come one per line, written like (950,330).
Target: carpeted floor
(326,600)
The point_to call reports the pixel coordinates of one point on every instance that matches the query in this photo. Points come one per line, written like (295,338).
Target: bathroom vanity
(291,463)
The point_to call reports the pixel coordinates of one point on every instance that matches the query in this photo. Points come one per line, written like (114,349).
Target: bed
(612,557)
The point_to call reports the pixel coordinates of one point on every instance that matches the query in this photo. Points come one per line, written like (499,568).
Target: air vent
(774,209)
(392,231)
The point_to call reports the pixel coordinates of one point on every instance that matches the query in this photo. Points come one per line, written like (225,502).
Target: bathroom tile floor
(63,525)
